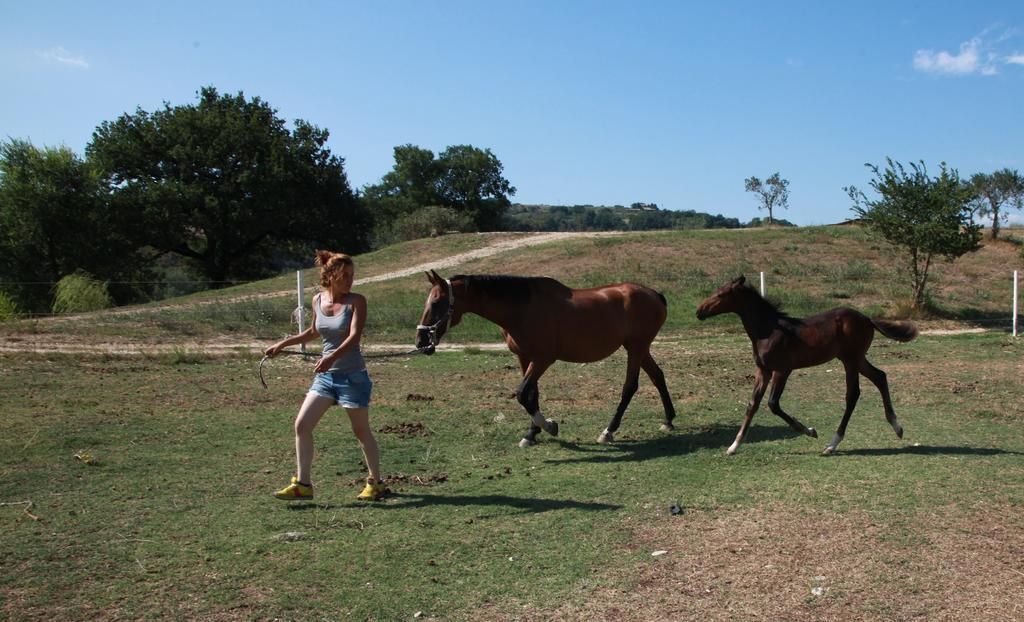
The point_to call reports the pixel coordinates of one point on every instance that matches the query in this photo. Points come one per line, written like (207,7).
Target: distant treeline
(636,217)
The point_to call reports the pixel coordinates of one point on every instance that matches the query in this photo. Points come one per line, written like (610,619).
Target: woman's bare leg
(360,419)
(310,413)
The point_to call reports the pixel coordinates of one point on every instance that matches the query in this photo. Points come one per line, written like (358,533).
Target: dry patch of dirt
(779,564)
(405,430)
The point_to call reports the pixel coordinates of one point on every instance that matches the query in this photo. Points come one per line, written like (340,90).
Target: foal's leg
(628,389)
(529,396)
(658,378)
(877,376)
(760,384)
(852,394)
(779,379)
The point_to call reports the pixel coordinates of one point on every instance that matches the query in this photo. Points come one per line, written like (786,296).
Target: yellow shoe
(372,492)
(295,491)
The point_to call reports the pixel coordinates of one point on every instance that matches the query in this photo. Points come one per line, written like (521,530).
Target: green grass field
(174,518)
(138,487)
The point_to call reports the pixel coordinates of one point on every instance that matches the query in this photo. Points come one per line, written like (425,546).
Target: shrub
(430,222)
(8,310)
(80,292)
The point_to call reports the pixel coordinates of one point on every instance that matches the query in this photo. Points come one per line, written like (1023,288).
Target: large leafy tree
(771,193)
(412,184)
(998,192)
(54,222)
(472,183)
(928,217)
(462,178)
(225,184)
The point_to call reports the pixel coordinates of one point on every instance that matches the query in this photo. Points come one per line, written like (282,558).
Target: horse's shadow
(928,450)
(405,500)
(673,444)
(721,436)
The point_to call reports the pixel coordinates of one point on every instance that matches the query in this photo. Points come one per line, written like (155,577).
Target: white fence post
(300,316)
(762,284)
(1015,290)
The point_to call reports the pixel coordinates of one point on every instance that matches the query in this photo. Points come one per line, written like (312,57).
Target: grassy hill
(806,269)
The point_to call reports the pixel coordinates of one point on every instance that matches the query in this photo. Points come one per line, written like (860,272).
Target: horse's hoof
(732,449)
(606,437)
(525,442)
(667,427)
(899,431)
(812,433)
(828,451)
(551,427)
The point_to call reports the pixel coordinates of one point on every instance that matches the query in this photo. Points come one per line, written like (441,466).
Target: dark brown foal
(782,344)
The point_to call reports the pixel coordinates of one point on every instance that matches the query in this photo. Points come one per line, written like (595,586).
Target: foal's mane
(507,288)
(767,307)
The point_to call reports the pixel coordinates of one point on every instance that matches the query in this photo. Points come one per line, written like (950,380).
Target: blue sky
(584,102)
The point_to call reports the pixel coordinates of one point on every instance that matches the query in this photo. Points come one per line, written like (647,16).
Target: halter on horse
(544,321)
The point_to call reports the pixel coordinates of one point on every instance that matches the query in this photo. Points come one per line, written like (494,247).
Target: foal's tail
(900,331)
(662,296)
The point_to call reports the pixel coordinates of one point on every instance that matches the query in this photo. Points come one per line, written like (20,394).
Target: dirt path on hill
(436,264)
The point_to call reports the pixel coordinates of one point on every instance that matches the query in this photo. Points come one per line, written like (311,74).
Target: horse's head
(437,313)
(728,299)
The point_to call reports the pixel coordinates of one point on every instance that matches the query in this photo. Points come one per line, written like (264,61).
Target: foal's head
(728,299)
(437,313)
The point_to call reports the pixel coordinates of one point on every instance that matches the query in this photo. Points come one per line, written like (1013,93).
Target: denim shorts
(348,389)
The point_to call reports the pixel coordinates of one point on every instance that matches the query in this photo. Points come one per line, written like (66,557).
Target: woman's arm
(305,336)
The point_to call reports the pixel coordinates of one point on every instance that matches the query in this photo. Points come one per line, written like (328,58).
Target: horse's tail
(900,331)
(662,296)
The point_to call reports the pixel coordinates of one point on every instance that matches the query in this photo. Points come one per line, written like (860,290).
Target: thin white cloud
(1008,34)
(968,61)
(64,57)
(979,55)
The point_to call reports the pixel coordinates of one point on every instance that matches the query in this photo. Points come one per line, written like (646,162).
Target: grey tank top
(335,329)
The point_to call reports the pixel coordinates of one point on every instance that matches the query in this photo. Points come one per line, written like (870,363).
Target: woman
(341,378)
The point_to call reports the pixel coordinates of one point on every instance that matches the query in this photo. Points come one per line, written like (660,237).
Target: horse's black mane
(769,306)
(505,288)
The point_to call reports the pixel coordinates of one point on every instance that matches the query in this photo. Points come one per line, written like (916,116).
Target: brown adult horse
(782,344)
(544,321)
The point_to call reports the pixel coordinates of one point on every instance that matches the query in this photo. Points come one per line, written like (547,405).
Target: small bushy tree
(80,292)
(998,192)
(772,192)
(927,217)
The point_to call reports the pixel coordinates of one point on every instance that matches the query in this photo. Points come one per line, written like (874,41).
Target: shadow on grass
(671,444)
(404,500)
(926,450)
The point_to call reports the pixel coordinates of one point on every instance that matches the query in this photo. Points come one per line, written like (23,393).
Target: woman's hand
(324,364)
(273,350)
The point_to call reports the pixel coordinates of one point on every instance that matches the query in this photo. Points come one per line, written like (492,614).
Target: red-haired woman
(341,378)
